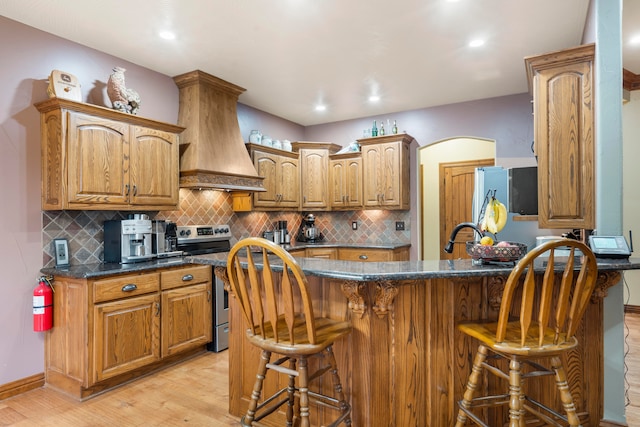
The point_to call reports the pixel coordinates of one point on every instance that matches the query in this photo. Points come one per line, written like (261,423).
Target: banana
(490,216)
(500,214)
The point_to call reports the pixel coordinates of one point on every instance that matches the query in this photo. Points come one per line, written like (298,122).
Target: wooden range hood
(212,151)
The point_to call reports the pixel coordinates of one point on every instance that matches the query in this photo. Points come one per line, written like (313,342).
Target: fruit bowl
(512,251)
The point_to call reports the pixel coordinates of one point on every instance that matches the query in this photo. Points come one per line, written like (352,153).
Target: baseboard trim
(17,387)
(632,309)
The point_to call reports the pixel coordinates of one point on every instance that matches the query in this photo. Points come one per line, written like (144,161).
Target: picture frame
(61,250)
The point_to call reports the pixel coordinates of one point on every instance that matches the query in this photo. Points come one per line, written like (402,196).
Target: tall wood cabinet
(281,178)
(102,159)
(345,179)
(110,330)
(314,174)
(385,175)
(563,108)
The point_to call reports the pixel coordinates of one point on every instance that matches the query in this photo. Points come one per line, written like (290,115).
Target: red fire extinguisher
(43,305)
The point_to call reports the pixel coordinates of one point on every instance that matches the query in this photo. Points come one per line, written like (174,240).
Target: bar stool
(544,329)
(280,320)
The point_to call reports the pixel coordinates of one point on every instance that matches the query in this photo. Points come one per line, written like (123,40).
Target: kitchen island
(405,363)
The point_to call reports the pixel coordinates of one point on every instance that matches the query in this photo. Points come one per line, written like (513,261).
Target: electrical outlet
(399,225)
(354,225)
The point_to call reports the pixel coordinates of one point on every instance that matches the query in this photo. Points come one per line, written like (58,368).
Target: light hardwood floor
(195,393)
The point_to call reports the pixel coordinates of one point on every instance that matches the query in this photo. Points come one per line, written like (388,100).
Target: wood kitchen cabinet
(186,308)
(345,179)
(113,329)
(314,174)
(385,163)
(373,254)
(563,109)
(281,178)
(95,158)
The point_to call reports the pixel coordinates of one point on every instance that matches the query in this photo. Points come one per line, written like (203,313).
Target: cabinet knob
(187,277)
(130,287)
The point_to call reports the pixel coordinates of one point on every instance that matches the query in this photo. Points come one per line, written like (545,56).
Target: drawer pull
(187,277)
(208,296)
(157,309)
(130,287)
(363,257)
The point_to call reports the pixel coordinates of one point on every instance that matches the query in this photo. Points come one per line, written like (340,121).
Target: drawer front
(370,255)
(125,286)
(185,276)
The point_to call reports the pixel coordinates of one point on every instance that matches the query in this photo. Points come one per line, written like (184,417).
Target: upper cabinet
(345,178)
(95,158)
(385,162)
(314,174)
(281,178)
(563,108)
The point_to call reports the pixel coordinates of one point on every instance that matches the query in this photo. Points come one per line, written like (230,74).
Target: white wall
(631,188)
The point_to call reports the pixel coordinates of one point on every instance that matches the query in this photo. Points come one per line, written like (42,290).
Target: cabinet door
(266,166)
(564,138)
(154,168)
(353,183)
(338,181)
(372,175)
(289,183)
(186,318)
(97,167)
(314,174)
(126,335)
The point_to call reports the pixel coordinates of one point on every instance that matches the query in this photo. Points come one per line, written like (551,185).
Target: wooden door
(353,182)
(338,177)
(456,195)
(267,166)
(314,174)
(186,318)
(288,183)
(98,170)
(154,168)
(126,335)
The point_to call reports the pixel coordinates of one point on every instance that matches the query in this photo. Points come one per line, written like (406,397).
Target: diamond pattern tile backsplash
(84,229)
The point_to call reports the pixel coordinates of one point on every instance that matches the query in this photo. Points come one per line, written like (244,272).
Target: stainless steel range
(208,239)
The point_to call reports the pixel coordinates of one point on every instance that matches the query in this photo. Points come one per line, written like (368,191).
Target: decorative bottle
(381,128)
(374,129)
(395,127)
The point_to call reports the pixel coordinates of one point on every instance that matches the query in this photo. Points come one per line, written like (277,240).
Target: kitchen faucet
(449,247)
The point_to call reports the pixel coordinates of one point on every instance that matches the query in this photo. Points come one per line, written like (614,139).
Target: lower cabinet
(354,254)
(114,329)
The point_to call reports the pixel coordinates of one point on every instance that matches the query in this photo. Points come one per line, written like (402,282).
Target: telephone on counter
(610,246)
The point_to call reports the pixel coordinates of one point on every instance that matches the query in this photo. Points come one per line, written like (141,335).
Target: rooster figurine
(123,99)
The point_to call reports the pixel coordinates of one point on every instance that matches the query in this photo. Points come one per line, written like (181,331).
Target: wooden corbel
(353,291)
(383,301)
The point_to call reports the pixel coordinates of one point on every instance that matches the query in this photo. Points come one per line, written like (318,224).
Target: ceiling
(291,55)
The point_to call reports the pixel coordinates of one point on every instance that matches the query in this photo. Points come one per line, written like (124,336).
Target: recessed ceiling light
(321,107)
(167,35)
(476,43)
(374,98)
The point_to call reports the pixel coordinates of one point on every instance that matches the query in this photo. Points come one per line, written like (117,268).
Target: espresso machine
(128,240)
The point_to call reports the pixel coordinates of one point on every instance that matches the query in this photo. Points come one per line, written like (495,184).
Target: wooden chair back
(559,303)
(257,295)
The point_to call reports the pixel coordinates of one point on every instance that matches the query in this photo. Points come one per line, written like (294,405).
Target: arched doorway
(451,151)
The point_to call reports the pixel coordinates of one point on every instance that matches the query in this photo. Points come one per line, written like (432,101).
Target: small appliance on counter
(165,241)
(308,230)
(128,240)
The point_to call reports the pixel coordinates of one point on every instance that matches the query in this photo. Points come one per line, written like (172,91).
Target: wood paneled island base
(405,363)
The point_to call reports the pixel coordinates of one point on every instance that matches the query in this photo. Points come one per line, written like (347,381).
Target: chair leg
(247,420)
(291,392)
(472,385)
(303,389)
(337,385)
(515,391)
(565,393)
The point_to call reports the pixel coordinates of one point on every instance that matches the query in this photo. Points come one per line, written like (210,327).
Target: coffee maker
(128,240)
(164,239)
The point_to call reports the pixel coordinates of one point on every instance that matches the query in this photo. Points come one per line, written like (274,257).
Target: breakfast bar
(405,363)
